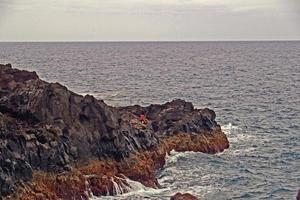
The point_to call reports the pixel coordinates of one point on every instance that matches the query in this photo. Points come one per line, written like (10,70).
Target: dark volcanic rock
(44,126)
(92,126)
(176,116)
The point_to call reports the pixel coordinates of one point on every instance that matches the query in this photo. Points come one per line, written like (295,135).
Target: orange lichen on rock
(207,142)
(98,176)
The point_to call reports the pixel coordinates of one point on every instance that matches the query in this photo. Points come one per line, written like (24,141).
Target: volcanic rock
(52,140)
(184,196)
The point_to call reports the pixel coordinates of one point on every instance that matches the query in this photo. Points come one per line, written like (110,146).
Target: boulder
(183,196)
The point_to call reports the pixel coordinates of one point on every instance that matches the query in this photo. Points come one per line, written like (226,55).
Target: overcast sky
(115,20)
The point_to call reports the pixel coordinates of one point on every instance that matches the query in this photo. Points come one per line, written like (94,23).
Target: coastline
(66,129)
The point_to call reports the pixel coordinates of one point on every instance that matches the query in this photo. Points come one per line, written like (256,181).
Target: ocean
(254,88)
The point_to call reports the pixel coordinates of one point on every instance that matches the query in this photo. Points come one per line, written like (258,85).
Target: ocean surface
(254,87)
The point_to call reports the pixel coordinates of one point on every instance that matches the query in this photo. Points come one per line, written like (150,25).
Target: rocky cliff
(56,144)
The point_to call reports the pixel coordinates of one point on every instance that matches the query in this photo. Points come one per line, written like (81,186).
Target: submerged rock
(45,128)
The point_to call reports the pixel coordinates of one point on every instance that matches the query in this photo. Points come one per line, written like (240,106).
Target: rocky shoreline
(56,144)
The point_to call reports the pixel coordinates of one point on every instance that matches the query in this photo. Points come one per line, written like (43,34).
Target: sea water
(254,87)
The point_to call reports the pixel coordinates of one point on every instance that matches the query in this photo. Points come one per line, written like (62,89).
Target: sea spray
(124,187)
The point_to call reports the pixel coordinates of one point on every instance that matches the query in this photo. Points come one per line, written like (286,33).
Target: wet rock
(185,196)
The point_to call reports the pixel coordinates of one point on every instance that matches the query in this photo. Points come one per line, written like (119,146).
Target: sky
(149,20)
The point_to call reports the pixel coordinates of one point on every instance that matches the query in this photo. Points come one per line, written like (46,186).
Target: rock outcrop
(58,144)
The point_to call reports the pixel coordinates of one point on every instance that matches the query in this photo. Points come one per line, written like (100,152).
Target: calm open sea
(254,87)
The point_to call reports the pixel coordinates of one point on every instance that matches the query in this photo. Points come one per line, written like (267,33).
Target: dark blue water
(254,87)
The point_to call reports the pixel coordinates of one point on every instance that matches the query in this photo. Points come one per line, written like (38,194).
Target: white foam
(133,186)
(117,189)
(174,156)
(236,134)
(130,188)
(243,151)
(229,128)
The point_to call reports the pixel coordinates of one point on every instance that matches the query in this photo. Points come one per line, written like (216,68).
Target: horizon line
(112,41)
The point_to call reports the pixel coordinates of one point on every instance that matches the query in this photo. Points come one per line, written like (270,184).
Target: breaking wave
(181,173)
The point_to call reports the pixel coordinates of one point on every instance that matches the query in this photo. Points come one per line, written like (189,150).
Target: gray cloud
(148,20)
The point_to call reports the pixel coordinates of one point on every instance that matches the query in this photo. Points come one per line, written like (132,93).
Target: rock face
(44,127)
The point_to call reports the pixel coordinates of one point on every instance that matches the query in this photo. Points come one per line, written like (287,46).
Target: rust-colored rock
(183,196)
(56,144)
